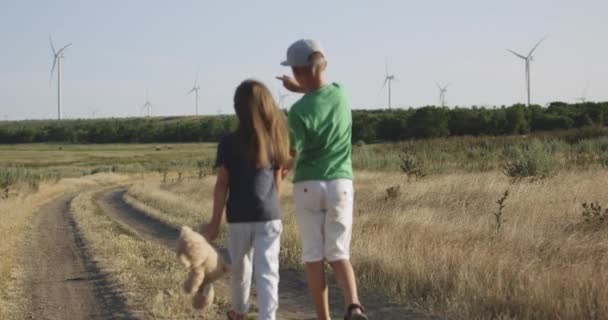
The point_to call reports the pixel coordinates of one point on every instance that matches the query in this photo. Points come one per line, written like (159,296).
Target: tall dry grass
(435,245)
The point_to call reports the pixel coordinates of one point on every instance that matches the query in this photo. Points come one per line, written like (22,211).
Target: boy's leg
(310,216)
(267,243)
(315,277)
(338,231)
(240,237)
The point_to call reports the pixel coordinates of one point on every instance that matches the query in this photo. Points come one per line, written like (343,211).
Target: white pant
(260,242)
(324,212)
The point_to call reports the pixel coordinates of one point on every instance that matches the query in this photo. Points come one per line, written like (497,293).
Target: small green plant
(499,218)
(411,166)
(393,193)
(593,213)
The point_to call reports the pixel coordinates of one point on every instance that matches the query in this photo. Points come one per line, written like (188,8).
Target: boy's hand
(290,83)
(210,231)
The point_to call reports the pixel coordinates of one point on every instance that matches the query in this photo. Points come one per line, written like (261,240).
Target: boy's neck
(314,85)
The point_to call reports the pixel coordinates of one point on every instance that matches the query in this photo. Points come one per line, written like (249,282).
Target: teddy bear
(204,264)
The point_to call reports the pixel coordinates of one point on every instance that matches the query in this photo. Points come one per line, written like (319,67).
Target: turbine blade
(191,90)
(52,46)
(537,44)
(383,85)
(386,66)
(438,86)
(517,54)
(61,50)
(53,69)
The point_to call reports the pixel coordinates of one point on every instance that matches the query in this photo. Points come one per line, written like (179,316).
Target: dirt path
(294,301)
(62,281)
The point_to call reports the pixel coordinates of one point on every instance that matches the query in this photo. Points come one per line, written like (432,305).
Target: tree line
(368,125)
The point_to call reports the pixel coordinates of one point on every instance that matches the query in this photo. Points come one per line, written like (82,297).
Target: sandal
(357,316)
(232,315)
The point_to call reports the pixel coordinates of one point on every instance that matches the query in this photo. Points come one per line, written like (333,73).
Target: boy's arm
(291,84)
(220,192)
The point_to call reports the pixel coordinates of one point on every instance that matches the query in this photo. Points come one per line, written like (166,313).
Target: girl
(249,168)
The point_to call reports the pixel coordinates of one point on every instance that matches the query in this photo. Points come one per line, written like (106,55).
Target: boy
(320,133)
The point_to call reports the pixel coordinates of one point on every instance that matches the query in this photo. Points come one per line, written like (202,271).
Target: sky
(123,48)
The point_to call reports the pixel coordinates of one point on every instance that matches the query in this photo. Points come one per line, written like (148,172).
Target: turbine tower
(57,57)
(528,59)
(147,105)
(195,89)
(583,97)
(388,78)
(442,91)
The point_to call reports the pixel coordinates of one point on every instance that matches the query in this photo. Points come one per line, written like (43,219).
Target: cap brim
(285,63)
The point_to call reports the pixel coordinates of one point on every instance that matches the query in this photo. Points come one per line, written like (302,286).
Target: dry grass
(439,247)
(148,272)
(16,214)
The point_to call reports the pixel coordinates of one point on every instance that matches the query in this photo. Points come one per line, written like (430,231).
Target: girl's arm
(220,192)
(278,178)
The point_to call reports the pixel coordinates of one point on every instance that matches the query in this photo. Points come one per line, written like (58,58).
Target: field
(469,228)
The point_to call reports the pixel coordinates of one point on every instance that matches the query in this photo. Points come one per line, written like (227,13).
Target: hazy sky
(120,48)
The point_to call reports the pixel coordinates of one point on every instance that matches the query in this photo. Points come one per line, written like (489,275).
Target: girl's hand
(290,84)
(210,231)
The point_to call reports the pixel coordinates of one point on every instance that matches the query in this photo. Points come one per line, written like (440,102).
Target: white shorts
(324,212)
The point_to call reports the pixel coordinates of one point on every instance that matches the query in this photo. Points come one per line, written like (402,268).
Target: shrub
(411,166)
(13,175)
(393,193)
(593,213)
(202,166)
(532,160)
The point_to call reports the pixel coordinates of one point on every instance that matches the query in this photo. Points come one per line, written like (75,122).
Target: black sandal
(359,316)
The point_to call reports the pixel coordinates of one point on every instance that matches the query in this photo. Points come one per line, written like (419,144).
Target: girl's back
(253,193)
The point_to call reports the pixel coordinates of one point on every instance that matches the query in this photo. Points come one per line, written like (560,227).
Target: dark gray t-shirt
(252,195)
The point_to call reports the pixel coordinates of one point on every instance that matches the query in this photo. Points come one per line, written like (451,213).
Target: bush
(13,175)
(532,160)
(393,193)
(593,213)
(411,166)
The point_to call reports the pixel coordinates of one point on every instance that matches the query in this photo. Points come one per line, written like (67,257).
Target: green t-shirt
(320,129)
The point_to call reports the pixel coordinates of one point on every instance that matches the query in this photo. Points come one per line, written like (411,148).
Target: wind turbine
(388,78)
(57,56)
(583,97)
(94,112)
(147,105)
(442,91)
(195,89)
(529,58)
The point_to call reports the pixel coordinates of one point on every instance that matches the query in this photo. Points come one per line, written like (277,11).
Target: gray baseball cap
(298,53)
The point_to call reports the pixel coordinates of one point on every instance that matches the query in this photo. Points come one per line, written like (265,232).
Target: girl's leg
(240,241)
(266,242)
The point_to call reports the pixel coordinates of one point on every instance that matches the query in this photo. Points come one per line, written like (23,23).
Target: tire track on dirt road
(62,281)
(294,301)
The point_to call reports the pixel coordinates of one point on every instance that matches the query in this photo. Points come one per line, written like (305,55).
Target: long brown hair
(262,130)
